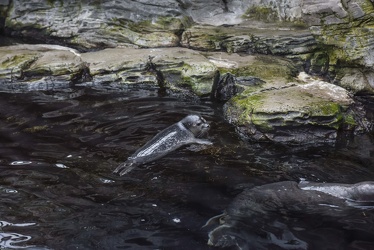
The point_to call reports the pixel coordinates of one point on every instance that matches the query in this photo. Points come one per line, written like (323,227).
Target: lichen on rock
(297,113)
(28,63)
(179,66)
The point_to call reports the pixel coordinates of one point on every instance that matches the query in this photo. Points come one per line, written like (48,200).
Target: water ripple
(19,163)
(58,150)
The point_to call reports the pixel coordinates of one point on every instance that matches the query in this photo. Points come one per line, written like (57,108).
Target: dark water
(58,149)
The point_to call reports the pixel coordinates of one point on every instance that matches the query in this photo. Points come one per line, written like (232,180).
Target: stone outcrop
(172,67)
(309,111)
(345,29)
(250,39)
(39,65)
(332,38)
(97,24)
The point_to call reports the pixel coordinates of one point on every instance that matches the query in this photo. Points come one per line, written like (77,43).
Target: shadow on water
(58,149)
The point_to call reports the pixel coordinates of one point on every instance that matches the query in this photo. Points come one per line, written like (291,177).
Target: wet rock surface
(297,112)
(238,225)
(251,38)
(173,67)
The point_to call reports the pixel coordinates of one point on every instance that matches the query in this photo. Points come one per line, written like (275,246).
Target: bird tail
(124,168)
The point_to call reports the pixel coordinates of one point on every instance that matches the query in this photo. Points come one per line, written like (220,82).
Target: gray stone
(178,66)
(356,80)
(4,2)
(255,207)
(268,39)
(296,113)
(30,63)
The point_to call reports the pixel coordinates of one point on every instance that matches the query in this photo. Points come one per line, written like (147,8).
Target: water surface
(59,147)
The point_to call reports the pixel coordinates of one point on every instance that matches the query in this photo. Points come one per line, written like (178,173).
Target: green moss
(251,102)
(246,105)
(330,114)
(261,13)
(299,24)
(265,68)
(257,109)
(18,63)
(324,109)
(35,129)
(141,27)
(171,23)
(348,42)
(320,62)
(53,2)
(262,122)
(165,23)
(350,120)
(198,76)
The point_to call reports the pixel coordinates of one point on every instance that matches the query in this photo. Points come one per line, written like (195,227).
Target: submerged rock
(252,220)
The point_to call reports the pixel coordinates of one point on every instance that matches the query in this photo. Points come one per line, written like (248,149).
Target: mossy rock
(123,34)
(268,67)
(274,71)
(13,63)
(179,67)
(160,24)
(261,13)
(318,107)
(271,39)
(31,63)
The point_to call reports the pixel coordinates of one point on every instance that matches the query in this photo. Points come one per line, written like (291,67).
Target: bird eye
(198,124)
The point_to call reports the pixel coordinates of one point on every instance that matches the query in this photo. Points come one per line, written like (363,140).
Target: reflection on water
(14,240)
(59,147)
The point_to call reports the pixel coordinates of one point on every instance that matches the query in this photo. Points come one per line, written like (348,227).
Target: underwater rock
(252,220)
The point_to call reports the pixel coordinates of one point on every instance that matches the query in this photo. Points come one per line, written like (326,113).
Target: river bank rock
(251,38)
(326,37)
(87,25)
(39,65)
(346,32)
(172,67)
(307,111)
(52,64)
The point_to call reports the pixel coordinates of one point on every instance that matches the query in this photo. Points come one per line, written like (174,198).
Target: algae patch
(261,13)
